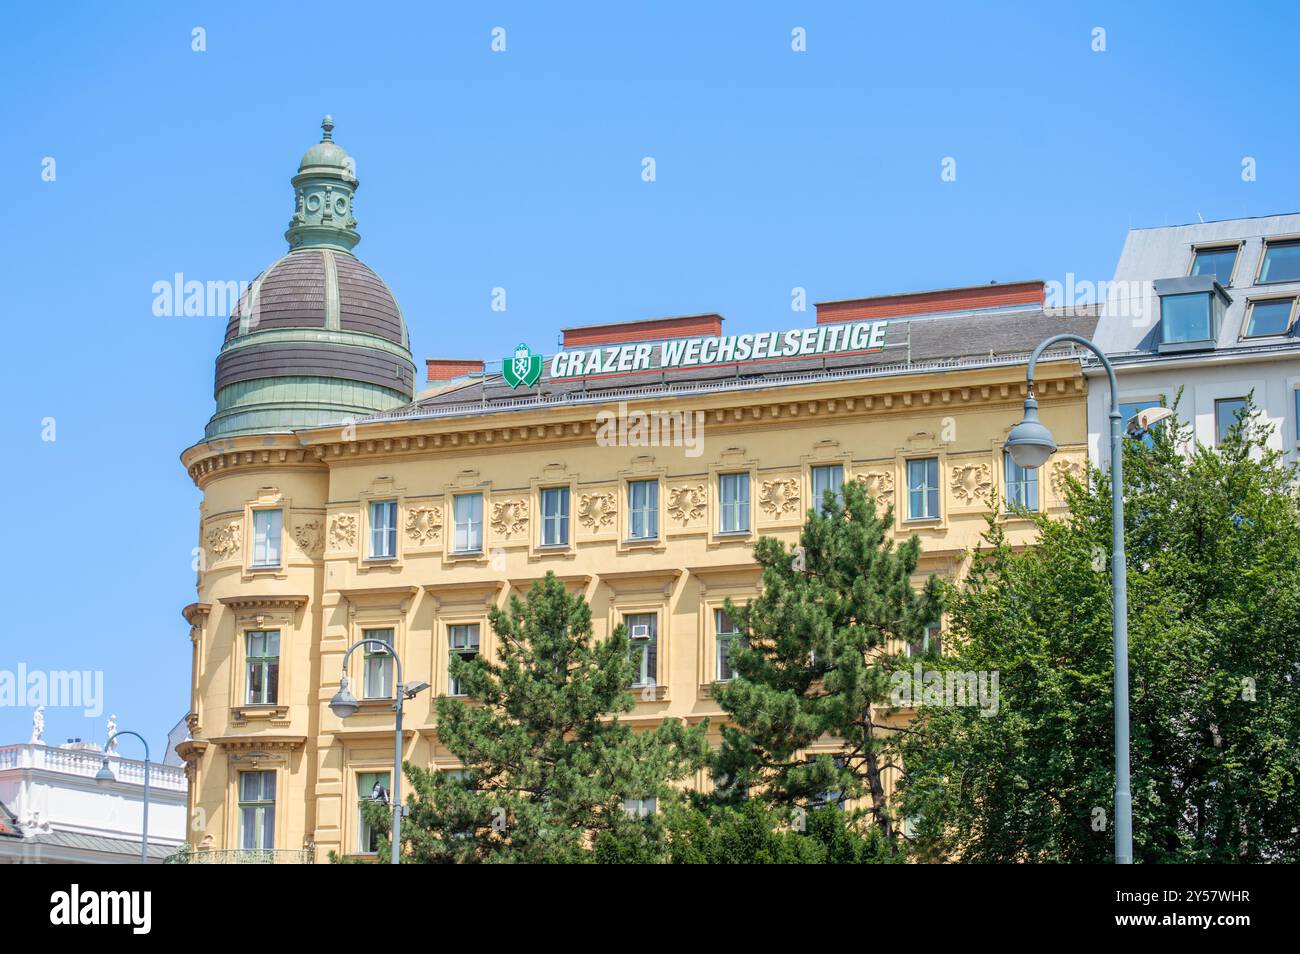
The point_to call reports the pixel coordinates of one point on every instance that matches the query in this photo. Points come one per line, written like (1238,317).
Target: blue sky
(522,170)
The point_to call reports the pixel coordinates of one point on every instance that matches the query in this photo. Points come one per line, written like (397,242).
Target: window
(262,656)
(930,643)
(639,807)
(733,489)
(383,529)
(830,796)
(266,537)
(1217,262)
(555,517)
(1022,484)
(1186,318)
(728,637)
(827,477)
(1225,417)
(463,641)
(643,509)
(1269,317)
(1127,411)
(1281,262)
(643,645)
(257,811)
(371,787)
(378,682)
(923,489)
(468,511)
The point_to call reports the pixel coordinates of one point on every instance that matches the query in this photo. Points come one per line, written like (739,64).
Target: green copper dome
(318,338)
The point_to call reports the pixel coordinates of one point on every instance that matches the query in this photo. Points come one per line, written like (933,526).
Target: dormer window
(1218,262)
(1269,316)
(1281,262)
(1191,312)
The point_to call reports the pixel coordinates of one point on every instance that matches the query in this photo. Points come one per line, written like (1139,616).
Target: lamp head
(1030,443)
(105,774)
(415,687)
(344,703)
(1143,421)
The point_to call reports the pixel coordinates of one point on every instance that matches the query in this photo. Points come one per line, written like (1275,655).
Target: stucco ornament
(223,540)
(343,531)
(423,524)
(509,517)
(778,497)
(971,482)
(1062,471)
(309,536)
(38,726)
(879,485)
(686,503)
(596,510)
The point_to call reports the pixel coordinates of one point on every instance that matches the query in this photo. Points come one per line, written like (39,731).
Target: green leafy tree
(816,665)
(1213,548)
(548,764)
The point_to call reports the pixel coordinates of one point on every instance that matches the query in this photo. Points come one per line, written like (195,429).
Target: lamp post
(344,704)
(105,777)
(1030,444)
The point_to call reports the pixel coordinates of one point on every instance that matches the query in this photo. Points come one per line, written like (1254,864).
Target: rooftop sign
(676,353)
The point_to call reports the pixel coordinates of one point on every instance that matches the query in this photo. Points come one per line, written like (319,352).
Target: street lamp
(344,705)
(1030,444)
(105,777)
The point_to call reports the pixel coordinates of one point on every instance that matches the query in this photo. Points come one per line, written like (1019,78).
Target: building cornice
(738,409)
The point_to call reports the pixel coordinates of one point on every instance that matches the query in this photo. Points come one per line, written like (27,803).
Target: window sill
(264,568)
(641,541)
(923,521)
(259,711)
(465,554)
(646,692)
(733,534)
(380,560)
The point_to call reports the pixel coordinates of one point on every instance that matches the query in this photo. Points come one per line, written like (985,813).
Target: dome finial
(327,125)
(323,191)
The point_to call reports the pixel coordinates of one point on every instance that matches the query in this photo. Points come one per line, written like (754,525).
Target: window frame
(1218,435)
(389,528)
(816,497)
(562,521)
(470,524)
(371,652)
(454,688)
(645,649)
(1028,476)
(724,638)
(649,510)
(277,536)
(934,491)
(1249,317)
(739,507)
(259,806)
(265,663)
(363,826)
(1210,247)
(1278,241)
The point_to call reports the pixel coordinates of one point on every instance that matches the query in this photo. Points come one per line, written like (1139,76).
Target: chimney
(909,304)
(649,329)
(444,369)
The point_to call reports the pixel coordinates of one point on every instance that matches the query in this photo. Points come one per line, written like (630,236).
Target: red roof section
(932,302)
(444,369)
(651,329)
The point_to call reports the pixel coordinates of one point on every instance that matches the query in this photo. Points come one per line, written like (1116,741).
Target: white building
(1209,308)
(52,810)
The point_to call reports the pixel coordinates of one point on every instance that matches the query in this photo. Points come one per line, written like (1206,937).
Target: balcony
(240,856)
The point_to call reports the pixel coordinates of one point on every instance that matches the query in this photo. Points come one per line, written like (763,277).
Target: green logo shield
(524,368)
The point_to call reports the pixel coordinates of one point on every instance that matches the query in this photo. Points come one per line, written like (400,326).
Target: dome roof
(319,288)
(318,337)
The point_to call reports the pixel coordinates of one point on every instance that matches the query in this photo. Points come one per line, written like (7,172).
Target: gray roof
(919,345)
(8,823)
(100,843)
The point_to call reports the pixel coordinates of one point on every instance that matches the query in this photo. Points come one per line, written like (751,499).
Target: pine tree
(816,663)
(547,763)
(1213,549)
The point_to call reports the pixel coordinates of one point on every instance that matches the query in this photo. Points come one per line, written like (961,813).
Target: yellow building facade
(409,522)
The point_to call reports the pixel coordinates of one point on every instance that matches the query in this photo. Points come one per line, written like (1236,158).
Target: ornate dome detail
(318,338)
